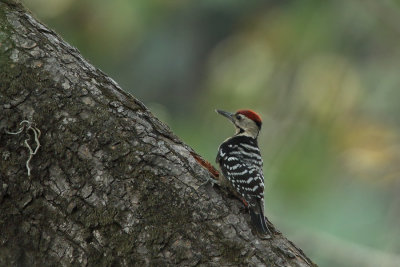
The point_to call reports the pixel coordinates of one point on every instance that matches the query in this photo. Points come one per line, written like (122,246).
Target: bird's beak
(229,115)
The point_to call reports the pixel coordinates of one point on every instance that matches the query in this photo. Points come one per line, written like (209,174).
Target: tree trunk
(89,177)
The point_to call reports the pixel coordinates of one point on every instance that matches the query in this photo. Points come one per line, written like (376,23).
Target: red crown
(251,115)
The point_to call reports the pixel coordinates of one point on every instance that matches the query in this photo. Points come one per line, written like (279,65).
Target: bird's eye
(239,117)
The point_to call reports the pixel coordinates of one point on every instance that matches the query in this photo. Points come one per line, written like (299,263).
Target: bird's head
(247,122)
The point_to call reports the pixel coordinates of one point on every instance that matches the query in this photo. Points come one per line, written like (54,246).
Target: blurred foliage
(323,75)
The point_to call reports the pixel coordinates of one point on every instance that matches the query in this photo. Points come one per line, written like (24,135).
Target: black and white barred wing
(241,164)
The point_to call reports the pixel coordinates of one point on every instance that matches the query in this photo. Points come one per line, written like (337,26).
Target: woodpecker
(241,164)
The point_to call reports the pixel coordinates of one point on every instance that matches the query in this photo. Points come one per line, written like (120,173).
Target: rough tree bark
(109,184)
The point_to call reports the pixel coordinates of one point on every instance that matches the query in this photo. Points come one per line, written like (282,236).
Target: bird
(241,164)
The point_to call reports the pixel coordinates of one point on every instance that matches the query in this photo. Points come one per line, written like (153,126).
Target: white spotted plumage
(241,163)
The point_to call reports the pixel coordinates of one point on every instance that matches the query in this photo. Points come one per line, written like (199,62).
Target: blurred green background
(324,75)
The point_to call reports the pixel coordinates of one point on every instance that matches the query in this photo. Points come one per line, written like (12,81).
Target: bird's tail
(258,219)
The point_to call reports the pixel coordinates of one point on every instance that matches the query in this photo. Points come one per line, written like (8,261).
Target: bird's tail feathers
(258,220)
